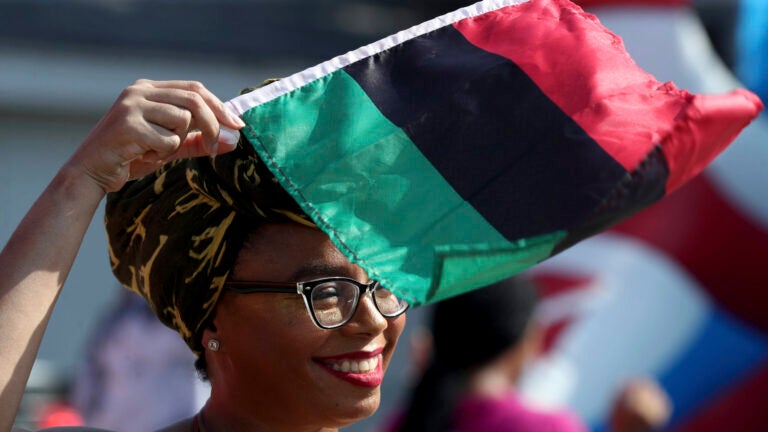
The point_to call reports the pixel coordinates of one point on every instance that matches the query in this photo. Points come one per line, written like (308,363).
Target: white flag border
(245,102)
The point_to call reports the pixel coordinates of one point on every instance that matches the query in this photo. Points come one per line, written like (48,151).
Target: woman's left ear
(210,338)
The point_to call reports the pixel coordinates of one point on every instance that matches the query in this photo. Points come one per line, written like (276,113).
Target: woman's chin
(357,410)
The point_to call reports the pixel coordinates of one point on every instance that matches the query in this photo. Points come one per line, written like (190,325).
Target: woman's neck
(209,419)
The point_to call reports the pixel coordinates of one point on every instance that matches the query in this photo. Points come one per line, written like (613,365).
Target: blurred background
(62,64)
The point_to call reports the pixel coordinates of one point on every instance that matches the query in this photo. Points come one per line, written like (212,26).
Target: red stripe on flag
(605,92)
(585,70)
(592,3)
(704,130)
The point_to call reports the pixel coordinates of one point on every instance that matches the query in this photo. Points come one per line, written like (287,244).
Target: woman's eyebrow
(319,268)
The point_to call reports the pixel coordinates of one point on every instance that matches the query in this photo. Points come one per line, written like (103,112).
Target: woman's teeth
(357,366)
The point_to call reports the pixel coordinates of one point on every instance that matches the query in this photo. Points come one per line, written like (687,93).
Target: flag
(470,147)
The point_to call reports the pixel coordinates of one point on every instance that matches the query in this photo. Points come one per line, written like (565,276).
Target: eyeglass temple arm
(262,287)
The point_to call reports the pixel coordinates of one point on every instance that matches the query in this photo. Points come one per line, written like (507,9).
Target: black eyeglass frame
(305,290)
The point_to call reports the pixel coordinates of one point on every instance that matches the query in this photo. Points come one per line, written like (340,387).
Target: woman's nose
(367,318)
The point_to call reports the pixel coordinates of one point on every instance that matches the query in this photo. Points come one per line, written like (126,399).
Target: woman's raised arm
(151,123)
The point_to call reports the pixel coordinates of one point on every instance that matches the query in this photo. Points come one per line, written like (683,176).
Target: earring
(214,344)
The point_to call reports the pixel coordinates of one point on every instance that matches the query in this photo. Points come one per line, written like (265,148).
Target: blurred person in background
(467,365)
(481,343)
(47,399)
(136,364)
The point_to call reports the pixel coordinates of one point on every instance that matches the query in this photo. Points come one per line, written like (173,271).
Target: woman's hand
(152,123)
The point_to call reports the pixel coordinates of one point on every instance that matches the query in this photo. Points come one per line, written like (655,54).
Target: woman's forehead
(291,252)
(287,235)
(321,268)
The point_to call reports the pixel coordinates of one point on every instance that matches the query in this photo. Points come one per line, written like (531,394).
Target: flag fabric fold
(477,144)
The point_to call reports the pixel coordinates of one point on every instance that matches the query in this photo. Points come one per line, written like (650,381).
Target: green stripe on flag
(384,205)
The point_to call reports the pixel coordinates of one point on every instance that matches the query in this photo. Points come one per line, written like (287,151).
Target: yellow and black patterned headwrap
(174,235)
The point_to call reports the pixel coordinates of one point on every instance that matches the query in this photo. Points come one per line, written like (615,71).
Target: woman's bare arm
(148,125)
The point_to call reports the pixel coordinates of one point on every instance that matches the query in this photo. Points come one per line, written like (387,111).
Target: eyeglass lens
(334,302)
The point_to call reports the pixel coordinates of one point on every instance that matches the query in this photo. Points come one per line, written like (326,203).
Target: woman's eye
(325,293)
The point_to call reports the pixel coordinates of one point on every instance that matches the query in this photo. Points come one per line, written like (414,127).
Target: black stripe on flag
(500,142)
(641,188)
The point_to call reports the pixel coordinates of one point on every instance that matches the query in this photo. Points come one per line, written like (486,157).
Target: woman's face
(274,365)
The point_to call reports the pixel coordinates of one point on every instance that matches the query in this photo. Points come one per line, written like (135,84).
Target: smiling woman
(278,316)
(196,234)
(398,151)
(270,355)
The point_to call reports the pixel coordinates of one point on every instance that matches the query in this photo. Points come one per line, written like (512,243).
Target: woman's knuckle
(196,86)
(198,101)
(168,145)
(184,117)
(128,92)
(191,99)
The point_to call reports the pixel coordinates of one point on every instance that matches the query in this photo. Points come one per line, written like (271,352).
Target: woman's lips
(362,369)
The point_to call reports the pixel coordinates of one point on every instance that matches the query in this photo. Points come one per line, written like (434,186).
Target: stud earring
(214,344)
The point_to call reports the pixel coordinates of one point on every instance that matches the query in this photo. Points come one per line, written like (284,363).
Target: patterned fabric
(174,235)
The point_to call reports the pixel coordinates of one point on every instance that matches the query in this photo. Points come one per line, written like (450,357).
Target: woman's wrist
(73,182)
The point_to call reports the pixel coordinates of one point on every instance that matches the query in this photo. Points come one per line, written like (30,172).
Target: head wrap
(174,235)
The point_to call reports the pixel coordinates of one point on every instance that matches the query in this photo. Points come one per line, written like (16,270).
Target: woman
(291,334)
(481,342)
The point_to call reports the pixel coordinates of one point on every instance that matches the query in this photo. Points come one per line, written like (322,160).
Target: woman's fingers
(172,125)
(201,117)
(195,145)
(183,124)
(206,112)
(217,107)
(172,118)
(153,122)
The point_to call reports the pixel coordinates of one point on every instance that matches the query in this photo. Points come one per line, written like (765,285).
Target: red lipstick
(350,372)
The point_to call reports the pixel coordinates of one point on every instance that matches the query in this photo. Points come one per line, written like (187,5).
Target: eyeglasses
(331,301)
